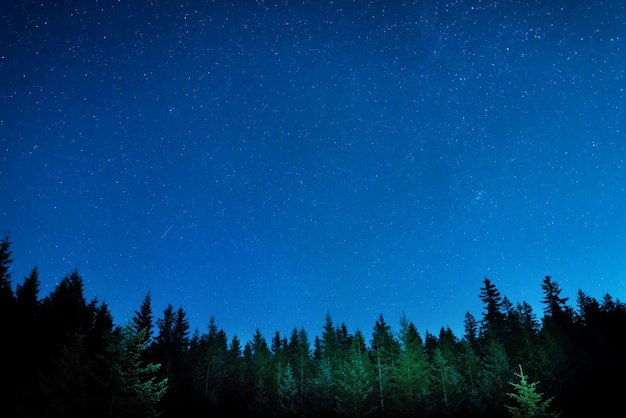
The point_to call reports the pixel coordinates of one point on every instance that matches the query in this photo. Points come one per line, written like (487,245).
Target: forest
(64,356)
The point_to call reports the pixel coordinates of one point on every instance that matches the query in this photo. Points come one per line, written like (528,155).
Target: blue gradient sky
(268,162)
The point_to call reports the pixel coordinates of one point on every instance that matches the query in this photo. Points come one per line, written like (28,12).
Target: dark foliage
(67,358)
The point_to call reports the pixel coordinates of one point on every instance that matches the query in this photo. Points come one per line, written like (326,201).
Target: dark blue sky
(268,162)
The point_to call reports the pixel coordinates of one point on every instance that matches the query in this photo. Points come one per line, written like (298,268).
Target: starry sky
(268,162)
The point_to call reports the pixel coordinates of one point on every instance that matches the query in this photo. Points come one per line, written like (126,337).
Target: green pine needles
(530,403)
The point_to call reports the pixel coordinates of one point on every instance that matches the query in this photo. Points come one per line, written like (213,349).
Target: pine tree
(234,396)
(446,380)
(331,350)
(385,351)
(495,372)
(27,296)
(136,389)
(471,329)
(27,341)
(164,341)
(492,324)
(529,403)
(180,333)
(214,358)
(410,383)
(555,305)
(355,382)
(522,330)
(143,317)
(329,359)
(469,364)
(287,391)
(8,326)
(300,358)
(494,375)
(324,387)
(259,368)
(61,390)
(64,312)
(7,298)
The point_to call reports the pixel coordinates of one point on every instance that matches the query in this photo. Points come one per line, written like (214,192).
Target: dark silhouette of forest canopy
(64,356)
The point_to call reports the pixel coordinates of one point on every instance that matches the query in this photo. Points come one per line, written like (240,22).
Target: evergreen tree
(260,372)
(385,350)
(494,375)
(496,370)
(330,347)
(492,324)
(143,317)
(410,375)
(61,389)
(317,349)
(556,351)
(555,305)
(329,360)
(446,381)
(471,330)
(7,298)
(64,313)
(430,343)
(522,329)
(287,391)
(469,364)
(27,296)
(300,358)
(26,343)
(261,356)
(355,382)
(164,342)
(214,358)
(447,343)
(597,352)
(344,340)
(323,389)
(99,380)
(529,403)
(235,394)
(136,389)
(279,361)
(181,333)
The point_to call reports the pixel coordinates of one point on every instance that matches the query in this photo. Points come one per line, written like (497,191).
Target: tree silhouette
(492,324)
(143,318)
(65,357)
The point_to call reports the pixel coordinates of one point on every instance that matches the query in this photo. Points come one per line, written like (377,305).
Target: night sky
(268,162)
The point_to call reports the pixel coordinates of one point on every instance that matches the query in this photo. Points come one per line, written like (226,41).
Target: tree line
(65,357)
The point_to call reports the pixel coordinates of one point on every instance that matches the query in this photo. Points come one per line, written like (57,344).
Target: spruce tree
(555,305)
(136,390)
(529,402)
(287,391)
(355,382)
(143,317)
(214,359)
(329,361)
(300,358)
(492,324)
(446,381)
(385,351)
(409,385)
(7,298)
(164,341)
(8,326)
(495,371)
